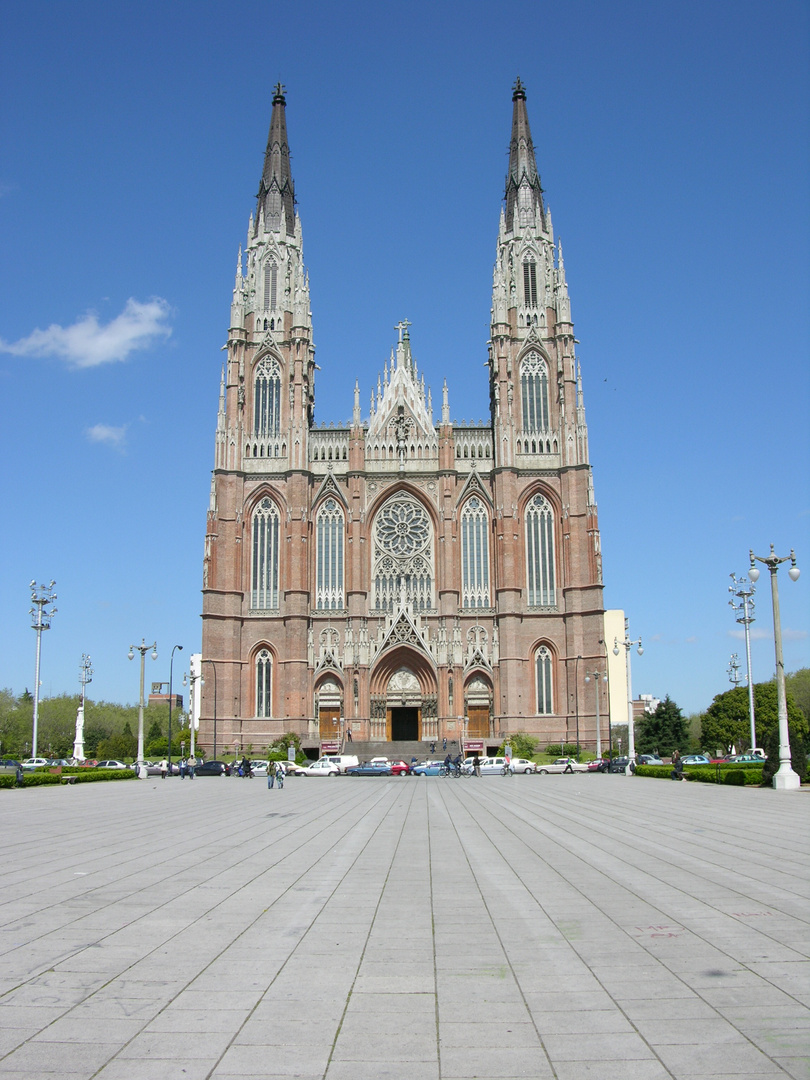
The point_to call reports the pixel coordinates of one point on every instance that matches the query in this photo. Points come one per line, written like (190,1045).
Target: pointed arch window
(403,555)
(329,556)
(530,283)
(534,394)
(474,555)
(267,397)
(264,570)
(264,684)
(543,669)
(270,284)
(540,562)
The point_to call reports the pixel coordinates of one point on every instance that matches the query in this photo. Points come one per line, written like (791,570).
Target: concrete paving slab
(480,930)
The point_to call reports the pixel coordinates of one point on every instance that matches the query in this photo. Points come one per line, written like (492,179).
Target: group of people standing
(185,767)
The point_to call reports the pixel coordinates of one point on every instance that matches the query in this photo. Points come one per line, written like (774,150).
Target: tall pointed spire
(523,188)
(276,198)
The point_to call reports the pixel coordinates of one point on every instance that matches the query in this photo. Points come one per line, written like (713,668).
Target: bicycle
(507,770)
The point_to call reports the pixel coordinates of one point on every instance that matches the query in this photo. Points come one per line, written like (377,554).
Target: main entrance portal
(404,725)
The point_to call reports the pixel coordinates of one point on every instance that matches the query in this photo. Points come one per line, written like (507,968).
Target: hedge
(744,773)
(79,776)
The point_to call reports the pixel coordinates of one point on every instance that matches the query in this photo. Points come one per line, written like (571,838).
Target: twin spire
(276,198)
(523,188)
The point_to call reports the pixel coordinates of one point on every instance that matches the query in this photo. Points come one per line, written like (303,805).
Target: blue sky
(672,142)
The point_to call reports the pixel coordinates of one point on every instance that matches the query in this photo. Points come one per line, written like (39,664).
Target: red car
(400,768)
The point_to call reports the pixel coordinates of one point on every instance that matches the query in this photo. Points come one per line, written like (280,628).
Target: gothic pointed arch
(474,529)
(262,665)
(267,395)
(534,393)
(541,551)
(545,670)
(330,543)
(265,554)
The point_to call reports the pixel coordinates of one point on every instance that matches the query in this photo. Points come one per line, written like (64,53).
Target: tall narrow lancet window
(270,284)
(534,394)
(329,556)
(264,569)
(541,575)
(545,698)
(403,555)
(530,283)
(474,555)
(267,397)
(264,684)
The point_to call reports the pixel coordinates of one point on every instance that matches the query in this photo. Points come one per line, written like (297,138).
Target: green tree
(726,722)
(523,745)
(664,730)
(797,684)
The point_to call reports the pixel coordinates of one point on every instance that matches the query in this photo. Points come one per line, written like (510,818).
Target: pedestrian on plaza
(348,733)
(20,775)
(477,765)
(246,769)
(433,748)
(271,774)
(444,743)
(192,762)
(677,766)
(280,774)
(182,768)
(448,763)
(164,768)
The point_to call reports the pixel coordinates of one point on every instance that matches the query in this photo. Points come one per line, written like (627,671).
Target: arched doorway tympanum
(403,706)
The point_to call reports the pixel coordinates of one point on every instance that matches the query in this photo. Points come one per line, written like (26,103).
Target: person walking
(477,765)
(349,732)
(164,768)
(192,762)
(677,766)
(182,768)
(271,774)
(280,774)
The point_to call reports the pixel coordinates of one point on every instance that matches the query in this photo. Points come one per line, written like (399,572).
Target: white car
(322,767)
(491,766)
(36,762)
(563,764)
(259,768)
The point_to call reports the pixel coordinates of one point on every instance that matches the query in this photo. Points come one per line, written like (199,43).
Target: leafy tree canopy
(523,745)
(798,686)
(726,722)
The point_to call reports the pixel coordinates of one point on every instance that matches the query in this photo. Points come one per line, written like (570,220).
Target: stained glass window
(329,556)
(403,554)
(545,700)
(534,394)
(267,397)
(264,576)
(474,555)
(541,575)
(264,684)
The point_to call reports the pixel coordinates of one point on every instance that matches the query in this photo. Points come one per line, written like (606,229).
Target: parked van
(343,761)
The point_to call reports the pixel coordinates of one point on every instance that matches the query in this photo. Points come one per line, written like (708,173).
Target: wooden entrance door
(329,725)
(478,726)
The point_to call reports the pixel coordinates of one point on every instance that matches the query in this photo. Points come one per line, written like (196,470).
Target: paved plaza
(599,927)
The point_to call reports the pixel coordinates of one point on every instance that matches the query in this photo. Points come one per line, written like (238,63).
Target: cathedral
(401,577)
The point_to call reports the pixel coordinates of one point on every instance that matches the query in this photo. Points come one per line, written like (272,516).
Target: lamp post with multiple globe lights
(785,778)
(41,614)
(171,669)
(631,736)
(744,591)
(143,649)
(597,676)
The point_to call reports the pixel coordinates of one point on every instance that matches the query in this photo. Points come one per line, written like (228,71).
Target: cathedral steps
(394,750)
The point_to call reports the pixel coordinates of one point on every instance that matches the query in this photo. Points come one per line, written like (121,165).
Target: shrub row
(738,775)
(80,776)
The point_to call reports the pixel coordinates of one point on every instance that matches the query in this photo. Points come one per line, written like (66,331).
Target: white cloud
(87,344)
(758,633)
(794,635)
(108,435)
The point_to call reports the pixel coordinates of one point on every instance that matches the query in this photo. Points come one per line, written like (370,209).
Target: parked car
(563,764)
(618,765)
(322,767)
(9,765)
(599,765)
(649,759)
(426,768)
(259,768)
(152,768)
(523,765)
(35,763)
(211,768)
(747,758)
(400,768)
(111,763)
(370,768)
(695,759)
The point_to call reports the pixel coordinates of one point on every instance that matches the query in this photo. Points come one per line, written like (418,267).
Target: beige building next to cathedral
(401,578)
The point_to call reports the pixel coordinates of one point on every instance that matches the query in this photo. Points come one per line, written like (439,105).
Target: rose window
(403,556)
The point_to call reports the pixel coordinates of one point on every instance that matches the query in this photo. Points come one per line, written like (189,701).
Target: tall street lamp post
(41,615)
(631,735)
(785,779)
(597,676)
(733,670)
(194,679)
(143,649)
(576,698)
(744,591)
(171,668)
(85,676)
(213,664)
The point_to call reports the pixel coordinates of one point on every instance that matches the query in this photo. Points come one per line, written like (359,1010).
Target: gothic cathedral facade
(400,577)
